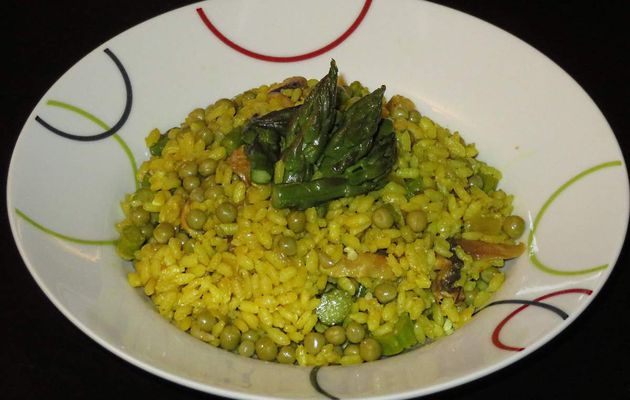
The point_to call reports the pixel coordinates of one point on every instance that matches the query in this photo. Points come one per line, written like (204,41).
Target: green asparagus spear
(302,195)
(353,138)
(262,137)
(308,131)
(263,152)
(277,120)
(369,173)
(379,161)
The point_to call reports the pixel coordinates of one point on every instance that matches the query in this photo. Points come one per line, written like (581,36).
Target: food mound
(314,223)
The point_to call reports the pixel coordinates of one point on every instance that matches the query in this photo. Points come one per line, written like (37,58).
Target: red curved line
(560,292)
(497,331)
(299,57)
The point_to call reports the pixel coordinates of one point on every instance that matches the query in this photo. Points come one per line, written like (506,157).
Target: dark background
(43,355)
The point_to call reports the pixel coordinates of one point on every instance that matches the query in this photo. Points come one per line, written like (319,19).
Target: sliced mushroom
(293,82)
(485,251)
(448,272)
(240,164)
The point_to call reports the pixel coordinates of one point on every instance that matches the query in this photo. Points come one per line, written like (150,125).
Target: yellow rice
(234,271)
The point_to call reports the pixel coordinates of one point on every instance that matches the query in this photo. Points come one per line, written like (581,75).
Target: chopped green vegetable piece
(401,338)
(334,307)
(361,291)
(156,149)
(489,183)
(413,187)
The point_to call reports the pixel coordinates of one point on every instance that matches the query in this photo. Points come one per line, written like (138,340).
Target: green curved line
(99,122)
(61,235)
(123,145)
(530,239)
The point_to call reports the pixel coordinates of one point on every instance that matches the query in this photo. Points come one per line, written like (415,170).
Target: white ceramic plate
(527,117)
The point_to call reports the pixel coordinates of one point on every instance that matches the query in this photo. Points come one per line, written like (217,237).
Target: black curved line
(546,306)
(113,129)
(315,384)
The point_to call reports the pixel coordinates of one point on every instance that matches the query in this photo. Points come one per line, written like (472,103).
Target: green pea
(209,183)
(335,335)
(196,218)
(133,235)
(250,335)
(481,285)
(385,292)
(147,230)
(214,193)
(143,195)
(182,237)
(296,221)
(383,218)
(197,195)
(351,350)
(248,96)
(138,216)
(226,212)
(314,342)
(470,296)
(355,332)
(287,245)
(414,116)
(319,327)
(206,135)
(189,168)
(207,167)
(475,181)
(513,226)
(266,349)
(286,355)
(195,126)
(357,89)
(191,183)
(197,114)
(370,349)
(488,274)
(206,321)
(400,112)
(163,232)
(246,348)
(230,337)
(417,220)
(189,246)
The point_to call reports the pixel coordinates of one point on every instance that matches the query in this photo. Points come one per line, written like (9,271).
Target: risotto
(313,222)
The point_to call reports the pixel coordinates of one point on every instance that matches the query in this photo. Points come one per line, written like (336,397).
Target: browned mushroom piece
(448,272)
(485,251)
(293,82)
(240,164)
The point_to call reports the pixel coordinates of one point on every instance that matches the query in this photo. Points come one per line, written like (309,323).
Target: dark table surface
(43,355)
